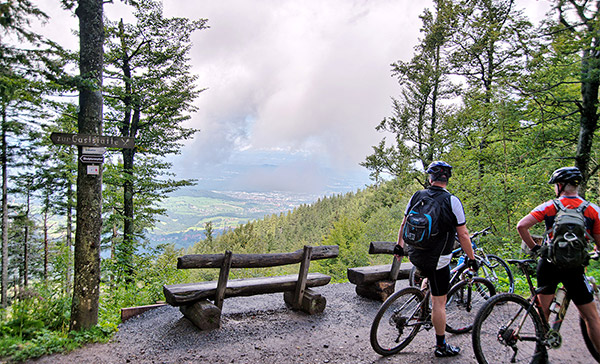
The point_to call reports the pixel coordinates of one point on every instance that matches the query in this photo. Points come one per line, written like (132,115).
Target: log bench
(379,281)
(193,299)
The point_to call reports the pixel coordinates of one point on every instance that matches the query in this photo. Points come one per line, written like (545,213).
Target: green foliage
(348,234)
(37,324)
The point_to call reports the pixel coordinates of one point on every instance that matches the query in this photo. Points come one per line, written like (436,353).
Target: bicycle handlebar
(482,232)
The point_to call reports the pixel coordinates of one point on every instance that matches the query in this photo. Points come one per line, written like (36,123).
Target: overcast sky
(295,88)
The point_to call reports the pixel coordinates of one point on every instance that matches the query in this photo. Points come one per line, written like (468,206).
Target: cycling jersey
(547,212)
(574,280)
(451,216)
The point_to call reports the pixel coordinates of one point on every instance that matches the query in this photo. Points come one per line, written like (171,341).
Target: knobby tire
(494,339)
(464,300)
(397,321)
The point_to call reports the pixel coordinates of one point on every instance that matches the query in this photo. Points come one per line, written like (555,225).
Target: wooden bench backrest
(229,260)
(386,247)
(194,261)
(382,247)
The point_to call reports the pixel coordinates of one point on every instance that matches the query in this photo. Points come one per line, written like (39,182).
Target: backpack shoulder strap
(559,205)
(581,208)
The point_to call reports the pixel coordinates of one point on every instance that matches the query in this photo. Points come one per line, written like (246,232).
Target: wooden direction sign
(92,140)
(91,158)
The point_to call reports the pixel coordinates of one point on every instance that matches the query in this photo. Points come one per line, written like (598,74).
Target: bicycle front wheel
(464,300)
(495,270)
(508,330)
(397,321)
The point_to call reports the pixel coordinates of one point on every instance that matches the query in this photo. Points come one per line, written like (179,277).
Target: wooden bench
(379,281)
(193,298)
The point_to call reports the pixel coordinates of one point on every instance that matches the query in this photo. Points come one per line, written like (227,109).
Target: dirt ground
(261,329)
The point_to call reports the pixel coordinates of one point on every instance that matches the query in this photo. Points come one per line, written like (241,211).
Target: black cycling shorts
(574,280)
(439,280)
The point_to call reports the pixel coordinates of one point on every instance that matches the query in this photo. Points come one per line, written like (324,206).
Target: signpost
(91,158)
(93,146)
(91,140)
(93,150)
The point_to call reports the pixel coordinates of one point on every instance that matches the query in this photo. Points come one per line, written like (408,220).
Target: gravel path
(260,329)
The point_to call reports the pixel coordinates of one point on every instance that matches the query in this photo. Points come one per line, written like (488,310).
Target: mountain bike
(491,267)
(510,328)
(408,311)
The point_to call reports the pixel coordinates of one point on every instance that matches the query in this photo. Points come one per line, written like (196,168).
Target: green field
(190,209)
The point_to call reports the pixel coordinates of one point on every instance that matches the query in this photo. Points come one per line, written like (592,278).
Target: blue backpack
(422,226)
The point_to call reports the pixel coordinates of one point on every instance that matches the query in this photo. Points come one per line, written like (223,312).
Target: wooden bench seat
(374,273)
(379,281)
(193,298)
(186,293)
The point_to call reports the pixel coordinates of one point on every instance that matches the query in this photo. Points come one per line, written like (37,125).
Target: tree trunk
(588,122)
(86,285)
(26,245)
(46,246)
(128,129)
(128,244)
(113,245)
(4,157)
(69,237)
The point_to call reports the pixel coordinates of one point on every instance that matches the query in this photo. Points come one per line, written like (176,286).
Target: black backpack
(568,247)
(422,226)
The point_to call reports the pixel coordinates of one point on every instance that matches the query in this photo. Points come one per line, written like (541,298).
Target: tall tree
(577,32)
(419,116)
(17,96)
(56,176)
(25,186)
(489,52)
(149,96)
(86,284)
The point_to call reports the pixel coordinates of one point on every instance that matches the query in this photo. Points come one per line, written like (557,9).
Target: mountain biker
(566,181)
(434,264)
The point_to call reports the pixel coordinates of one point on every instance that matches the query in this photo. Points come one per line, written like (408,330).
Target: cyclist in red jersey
(566,181)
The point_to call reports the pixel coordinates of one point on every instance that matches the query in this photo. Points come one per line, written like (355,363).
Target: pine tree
(149,97)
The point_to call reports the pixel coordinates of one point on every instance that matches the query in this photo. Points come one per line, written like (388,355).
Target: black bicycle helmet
(570,175)
(439,171)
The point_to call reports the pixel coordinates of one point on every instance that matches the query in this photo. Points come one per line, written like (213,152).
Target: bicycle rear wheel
(498,272)
(414,280)
(505,332)
(586,337)
(464,300)
(397,321)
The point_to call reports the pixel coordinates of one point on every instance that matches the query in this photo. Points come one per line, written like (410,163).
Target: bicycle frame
(512,326)
(549,339)
(533,303)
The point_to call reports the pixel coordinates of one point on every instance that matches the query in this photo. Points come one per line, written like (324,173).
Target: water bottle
(594,285)
(558,300)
